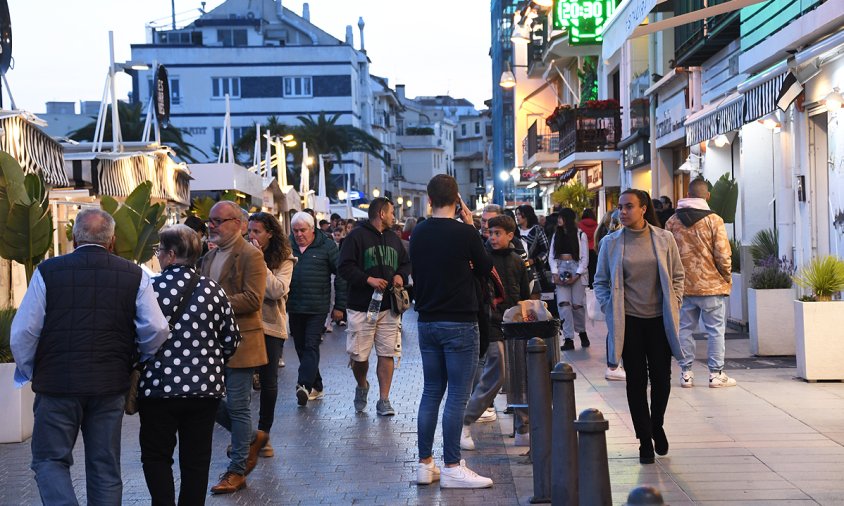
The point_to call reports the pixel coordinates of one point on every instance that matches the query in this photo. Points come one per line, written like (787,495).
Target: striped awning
(715,119)
(762,98)
(36,151)
(170,181)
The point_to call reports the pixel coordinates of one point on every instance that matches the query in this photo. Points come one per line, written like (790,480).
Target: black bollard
(644,496)
(564,438)
(594,472)
(539,408)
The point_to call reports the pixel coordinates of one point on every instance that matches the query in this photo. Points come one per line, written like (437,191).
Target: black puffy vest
(87,345)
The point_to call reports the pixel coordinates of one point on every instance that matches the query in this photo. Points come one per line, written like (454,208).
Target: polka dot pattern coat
(191,363)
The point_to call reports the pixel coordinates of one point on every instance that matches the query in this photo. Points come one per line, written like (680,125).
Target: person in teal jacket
(310,300)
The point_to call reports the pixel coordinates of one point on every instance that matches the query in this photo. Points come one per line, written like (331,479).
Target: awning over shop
(170,181)
(715,119)
(761,91)
(36,151)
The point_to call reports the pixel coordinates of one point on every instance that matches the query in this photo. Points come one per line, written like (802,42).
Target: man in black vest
(85,319)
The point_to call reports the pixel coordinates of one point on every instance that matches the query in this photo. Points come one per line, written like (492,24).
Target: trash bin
(516,336)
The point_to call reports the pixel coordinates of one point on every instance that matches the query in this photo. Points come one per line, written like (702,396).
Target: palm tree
(132,120)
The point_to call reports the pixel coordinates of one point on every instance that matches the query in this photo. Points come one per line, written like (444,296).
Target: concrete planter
(820,346)
(736,302)
(771,323)
(16,406)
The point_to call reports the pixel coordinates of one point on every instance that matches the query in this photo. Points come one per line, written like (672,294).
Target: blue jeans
(711,312)
(236,417)
(57,424)
(449,356)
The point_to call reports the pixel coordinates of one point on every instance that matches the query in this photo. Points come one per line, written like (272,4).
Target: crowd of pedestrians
(211,326)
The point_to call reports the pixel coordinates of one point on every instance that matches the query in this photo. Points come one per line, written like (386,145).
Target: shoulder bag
(131,406)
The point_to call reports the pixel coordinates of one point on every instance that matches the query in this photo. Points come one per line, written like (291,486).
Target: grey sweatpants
(488,385)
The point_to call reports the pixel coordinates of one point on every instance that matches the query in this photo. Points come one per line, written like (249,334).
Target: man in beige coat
(705,252)
(240,269)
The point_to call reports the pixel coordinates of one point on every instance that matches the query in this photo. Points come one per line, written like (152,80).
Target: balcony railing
(695,42)
(585,130)
(537,141)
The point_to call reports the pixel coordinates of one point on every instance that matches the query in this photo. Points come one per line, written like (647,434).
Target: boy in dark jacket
(510,269)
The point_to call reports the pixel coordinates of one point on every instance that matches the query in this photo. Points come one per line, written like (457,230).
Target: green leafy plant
(137,222)
(574,195)
(7,314)
(823,276)
(735,256)
(26,225)
(723,198)
(765,245)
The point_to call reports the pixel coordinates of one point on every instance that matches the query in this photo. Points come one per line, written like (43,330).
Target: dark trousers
(646,355)
(161,421)
(306,330)
(268,377)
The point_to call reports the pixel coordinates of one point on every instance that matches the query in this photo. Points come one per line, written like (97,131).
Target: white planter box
(771,322)
(735,304)
(820,345)
(16,406)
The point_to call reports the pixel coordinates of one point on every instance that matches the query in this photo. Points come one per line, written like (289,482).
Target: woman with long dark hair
(535,244)
(265,233)
(639,284)
(569,259)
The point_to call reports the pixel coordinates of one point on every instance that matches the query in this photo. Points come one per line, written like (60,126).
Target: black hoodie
(688,216)
(368,252)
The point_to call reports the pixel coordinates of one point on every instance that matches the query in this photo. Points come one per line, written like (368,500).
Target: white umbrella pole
(281,164)
(256,152)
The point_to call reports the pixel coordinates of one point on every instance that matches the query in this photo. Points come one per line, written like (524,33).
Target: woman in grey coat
(639,284)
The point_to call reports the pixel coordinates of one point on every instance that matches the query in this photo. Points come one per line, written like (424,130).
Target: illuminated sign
(583,19)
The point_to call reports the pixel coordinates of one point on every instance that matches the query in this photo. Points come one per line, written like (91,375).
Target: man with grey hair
(85,319)
(706,255)
(489,212)
(239,268)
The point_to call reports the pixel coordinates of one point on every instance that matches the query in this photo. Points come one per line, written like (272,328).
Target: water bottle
(374,306)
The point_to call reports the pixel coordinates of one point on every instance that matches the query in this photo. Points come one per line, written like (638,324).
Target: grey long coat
(609,288)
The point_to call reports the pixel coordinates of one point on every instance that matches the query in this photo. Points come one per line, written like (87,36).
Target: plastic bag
(528,311)
(593,309)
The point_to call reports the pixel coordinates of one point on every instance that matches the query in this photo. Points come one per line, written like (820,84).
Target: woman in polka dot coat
(182,386)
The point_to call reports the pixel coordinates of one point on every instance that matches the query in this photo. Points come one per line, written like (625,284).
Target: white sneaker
(523,439)
(427,473)
(617,374)
(687,379)
(462,477)
(466,441)
(720,380)
(488,416)
(316,395)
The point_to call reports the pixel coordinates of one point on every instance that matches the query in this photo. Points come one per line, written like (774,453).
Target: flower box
(820,347)
(16,406)
(771,323)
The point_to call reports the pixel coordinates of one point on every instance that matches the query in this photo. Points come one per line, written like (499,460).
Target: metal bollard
(539,406)
(594,472)
(564,437)
(643,496)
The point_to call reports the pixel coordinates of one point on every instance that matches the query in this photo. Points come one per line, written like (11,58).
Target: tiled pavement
(772,440)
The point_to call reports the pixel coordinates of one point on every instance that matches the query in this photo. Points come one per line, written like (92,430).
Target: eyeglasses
(156,250)
(218,221)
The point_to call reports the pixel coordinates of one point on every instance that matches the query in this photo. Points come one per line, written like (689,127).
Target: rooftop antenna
(173,11)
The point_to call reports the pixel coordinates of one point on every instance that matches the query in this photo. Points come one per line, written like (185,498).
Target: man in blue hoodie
(373,258)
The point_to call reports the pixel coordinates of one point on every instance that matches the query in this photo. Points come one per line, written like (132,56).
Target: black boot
(568,344)
(584,340)
(646,451)
(660,441)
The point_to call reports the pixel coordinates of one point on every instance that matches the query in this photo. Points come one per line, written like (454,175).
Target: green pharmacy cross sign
(584,19)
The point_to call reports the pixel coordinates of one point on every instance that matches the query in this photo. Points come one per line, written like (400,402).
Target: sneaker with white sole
(384,408)
(720,380)
(466,441)
(462,477)
(427,473)
(360,397)
(617,374)
(302,395)
(687,379)
(316,395)
(488,416)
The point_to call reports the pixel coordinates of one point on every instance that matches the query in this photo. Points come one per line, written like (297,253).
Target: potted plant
(818,320)
(16,403)
(770,293)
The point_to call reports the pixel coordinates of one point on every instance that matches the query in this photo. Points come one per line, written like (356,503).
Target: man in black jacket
(373,258)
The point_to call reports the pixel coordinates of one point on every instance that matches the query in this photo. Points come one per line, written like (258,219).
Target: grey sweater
(642,293)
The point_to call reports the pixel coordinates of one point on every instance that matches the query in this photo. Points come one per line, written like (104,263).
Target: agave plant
(136,223)
(26,225)
(823,276)
(7,314)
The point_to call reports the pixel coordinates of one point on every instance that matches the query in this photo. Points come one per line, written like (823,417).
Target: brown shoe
(229,483)
(261,439)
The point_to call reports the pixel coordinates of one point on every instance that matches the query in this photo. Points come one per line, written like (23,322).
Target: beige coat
(244,279)
(274,310)
(609,288)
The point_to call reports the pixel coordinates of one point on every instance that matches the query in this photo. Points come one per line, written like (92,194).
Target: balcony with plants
(594,126)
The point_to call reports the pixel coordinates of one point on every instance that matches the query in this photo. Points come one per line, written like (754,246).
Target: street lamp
(400,200)
(376,192)
(341,194)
